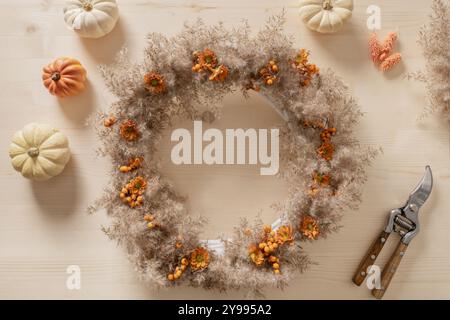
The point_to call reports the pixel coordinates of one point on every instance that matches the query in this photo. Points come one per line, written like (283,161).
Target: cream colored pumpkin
(39,152)
(91,18)
(325,16)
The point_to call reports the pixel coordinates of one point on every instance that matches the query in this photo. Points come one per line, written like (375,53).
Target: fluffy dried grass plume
(434,39)
(160,234)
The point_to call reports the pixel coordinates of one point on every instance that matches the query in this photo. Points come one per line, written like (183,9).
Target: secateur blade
(423,190)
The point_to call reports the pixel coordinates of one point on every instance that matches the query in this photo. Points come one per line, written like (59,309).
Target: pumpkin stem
(33,152)
(327,5)
(87,6)
(56,76)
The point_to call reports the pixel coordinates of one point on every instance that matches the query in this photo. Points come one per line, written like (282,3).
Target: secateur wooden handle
(389,270)
(370,257)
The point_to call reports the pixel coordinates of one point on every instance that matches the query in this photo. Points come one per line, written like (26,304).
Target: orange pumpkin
(64,77)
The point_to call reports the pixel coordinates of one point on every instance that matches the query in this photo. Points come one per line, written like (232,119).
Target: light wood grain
(44,227)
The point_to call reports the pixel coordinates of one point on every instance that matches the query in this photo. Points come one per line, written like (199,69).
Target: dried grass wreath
(319,156)
(434,39)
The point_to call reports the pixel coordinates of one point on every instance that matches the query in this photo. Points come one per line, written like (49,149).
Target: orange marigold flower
(138,184)
(326,151)
(204,60)
(199,259)
(219,74)
(129,130)
(309,227)
(154,82)
(284,235)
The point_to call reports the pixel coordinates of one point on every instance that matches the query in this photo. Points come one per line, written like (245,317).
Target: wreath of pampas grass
(434,39)
(155,252)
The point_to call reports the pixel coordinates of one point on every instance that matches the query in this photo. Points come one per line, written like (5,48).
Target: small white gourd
(91,18)
(325,16)
(39,152)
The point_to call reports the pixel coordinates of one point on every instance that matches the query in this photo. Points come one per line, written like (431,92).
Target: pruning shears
(403,221)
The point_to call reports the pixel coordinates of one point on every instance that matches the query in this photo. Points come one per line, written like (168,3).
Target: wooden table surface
(44,227)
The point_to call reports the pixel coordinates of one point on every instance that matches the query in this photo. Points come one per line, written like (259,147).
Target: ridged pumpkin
(39,152)
(64,77)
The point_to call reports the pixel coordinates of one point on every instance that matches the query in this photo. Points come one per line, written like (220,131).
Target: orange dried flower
(284,235)
(309,227)
(199,259)
(138,184)
(109,122)
(304,68)
(326,151)
(154,82)
(321,179)
(219,74)
(256,255)
(129,130)
(204,60)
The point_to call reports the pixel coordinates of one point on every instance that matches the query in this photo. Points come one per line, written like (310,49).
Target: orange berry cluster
(198,260)
(149,218)
(133,164)
(179,270)
(271,241)
(132,193)
(154,82)
(206,60)
(269,73)
(304,68)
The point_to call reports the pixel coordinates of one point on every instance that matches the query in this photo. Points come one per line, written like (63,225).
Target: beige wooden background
(44,227)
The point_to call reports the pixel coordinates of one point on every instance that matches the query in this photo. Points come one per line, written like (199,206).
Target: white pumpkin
(39,152)
(325,16)
(91,18)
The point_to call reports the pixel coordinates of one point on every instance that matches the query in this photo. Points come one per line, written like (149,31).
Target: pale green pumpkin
(39,151)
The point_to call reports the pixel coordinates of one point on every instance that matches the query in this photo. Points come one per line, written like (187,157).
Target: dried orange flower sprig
(326,149)
(206,60)
(199,260)
(381,53)
(129,130)
(309,227)
(265,250)
(133,192)
(133,164)
(304,68)
(154,82)
(319,180)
